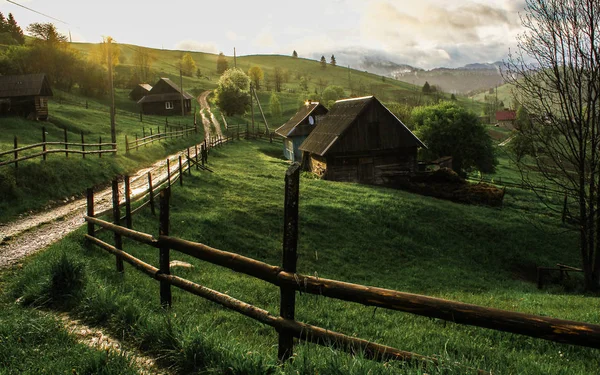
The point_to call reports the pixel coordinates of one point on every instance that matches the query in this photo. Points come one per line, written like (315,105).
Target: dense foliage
(233,92)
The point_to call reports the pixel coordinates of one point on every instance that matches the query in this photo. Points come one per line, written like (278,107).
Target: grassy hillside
(362,234)
(504,95)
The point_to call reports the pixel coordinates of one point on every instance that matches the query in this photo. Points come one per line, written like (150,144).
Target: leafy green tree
(453,97)
(46,33)
(143,58)
(333,62)
(426,88)
(521,144)
(187,65)
(331,94)
(295,54)
(278,78)
(256,75)
(323,62)
(304,83)
(198,73)
(448,129)
(275,105)
(233,92)
(222,64)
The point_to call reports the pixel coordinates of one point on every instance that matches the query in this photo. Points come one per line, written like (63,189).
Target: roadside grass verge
(360,234)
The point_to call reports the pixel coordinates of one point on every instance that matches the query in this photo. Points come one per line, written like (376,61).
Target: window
(169,105)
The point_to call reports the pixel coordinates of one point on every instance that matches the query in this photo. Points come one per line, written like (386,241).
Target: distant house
(140,91)
(360,140)
(506,118)
(25,95)
(299,127)
(165,99)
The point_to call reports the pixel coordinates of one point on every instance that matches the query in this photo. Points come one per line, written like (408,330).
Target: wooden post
(100,146)
(136,141)
(270,137)
(44,142)
(143,132)
(90,211)
(151,193)
(66,144)
(82,145)
(164,261)
(169,171)
(158,133)
(180,172)
(16,143)
(203,150)
(247,131)
(127,144)
(196,149)
(117,221)
(290,245)
(128,220)
(189,162)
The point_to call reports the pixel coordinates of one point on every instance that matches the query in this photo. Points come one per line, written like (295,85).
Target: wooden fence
(289,282)
(20,153)
(244,131)
(168,132)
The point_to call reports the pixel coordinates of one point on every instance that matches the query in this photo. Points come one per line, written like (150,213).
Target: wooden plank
(90,210)
(122,231)
(164,261)
(129,221)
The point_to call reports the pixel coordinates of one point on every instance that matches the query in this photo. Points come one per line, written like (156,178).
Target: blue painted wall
(290,148)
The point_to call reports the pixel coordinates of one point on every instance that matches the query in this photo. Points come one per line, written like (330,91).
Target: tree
(256,75)
(450,130)
(14,30)
(46,33)
(198,73)
(323,62)
(333,62)
(555,73)
(426,88)
(304,83)
(453,97)
(143,58)
(331,94)
(233,92)
(275,106)
(278,78)
(295,54)
(99,53)
(187,65)
(520,144)
(222,64)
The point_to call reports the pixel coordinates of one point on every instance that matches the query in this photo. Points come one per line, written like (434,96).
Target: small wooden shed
(360,140)
(165,99)
(295,131)
(140,91)
(506,118)
(25,95)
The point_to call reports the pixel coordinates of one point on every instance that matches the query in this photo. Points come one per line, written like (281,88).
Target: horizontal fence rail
(286,277)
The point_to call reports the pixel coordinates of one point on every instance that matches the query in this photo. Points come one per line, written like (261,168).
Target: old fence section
(289,281)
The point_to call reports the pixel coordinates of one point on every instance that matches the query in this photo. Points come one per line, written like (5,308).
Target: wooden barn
(295,131)
(140,91)
(506,118)
(360,140)
(165,99)
(25,95)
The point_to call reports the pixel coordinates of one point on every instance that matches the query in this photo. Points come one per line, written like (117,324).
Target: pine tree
(323,62)
(333,62)
(3,24)
(15,30)
(295,54)
(426,88)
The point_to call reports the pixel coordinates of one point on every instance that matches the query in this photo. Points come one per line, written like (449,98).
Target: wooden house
(360,140)
(295,131)
(140,91)
(506,119)
(25,95)
(165,99)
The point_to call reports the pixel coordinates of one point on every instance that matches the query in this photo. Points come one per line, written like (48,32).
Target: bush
(8,185)
(67,280)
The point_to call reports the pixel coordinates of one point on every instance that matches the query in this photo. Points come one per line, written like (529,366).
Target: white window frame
(169,105)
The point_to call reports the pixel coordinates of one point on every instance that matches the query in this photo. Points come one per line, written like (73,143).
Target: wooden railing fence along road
(289,282)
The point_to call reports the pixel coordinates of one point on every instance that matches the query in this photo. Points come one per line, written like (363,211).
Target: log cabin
(295,131)
(165,99)
(360,140)
(140,91)
(25,95)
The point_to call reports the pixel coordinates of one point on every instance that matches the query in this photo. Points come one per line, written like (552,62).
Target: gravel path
(202,100)
(35,232)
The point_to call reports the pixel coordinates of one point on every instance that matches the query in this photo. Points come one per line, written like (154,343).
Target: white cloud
(264,39)
(195,46)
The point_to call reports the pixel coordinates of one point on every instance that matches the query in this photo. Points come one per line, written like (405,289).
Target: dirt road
(33,233)
(203,101)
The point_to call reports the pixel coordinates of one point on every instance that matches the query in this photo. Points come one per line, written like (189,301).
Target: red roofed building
(506,118)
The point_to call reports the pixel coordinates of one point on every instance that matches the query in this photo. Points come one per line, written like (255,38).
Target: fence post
(158,133)
(82,145)
(151,134)
(238,132)
(128,220)
(86,104)
(270,137)
(189,162)
(100,146)
(66,144)
(180,172)
(90,211)
(141,117)
(196,149)
(44,142)
(16,154)
(143,132)
(151,193)
(117,221)
(164,262)
(136,141)
(290,244)
(127,144)
(169,171)
(203,151)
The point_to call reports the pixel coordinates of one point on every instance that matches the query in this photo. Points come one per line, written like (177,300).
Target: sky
(421,33)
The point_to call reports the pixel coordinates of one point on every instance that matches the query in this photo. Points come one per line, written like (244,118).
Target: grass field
(361,234)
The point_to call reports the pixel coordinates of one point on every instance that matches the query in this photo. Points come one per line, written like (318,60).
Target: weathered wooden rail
(84,149)
(289,281)
(166,132)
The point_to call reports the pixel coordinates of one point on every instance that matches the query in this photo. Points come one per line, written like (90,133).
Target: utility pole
(113,129)
(252,105)
(181,89)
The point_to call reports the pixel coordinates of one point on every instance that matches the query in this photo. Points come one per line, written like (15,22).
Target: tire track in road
(203,101)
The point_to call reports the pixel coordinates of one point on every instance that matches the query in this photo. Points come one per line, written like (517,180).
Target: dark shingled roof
(24,85)
(291,128)
(338,120)
(164,97)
